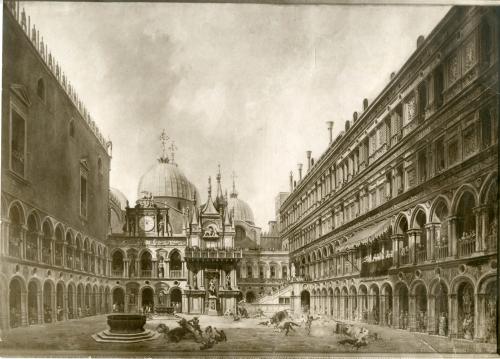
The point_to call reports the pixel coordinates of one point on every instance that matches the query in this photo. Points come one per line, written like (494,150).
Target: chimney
(330,126)
(299,165)
(308,155)
(291,181)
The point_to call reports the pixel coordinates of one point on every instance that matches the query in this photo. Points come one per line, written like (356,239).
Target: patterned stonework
(453,69)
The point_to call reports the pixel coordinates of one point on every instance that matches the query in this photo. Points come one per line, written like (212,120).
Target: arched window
(249,272)
(40,89)
(486,45)
(99,166)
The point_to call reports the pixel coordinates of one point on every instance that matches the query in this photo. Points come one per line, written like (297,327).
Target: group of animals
(191,328)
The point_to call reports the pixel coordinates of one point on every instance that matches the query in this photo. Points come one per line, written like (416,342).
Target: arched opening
(59,245)
(118,300)
(32,239)
(146,264)
(305,301)
(330,301)
(403,305)
(375,305)
(147,299)
(345,300)
(46,243)
(404,251)
(78,254)
(440,217)
(387,305)
(88,292)
(336,295)
(284,272)
(60,301)
(273,271)
(250,297)
(15,303)
(466,224)
(354,303)
(441,308)
(69,251)
(420,315)
(47,303)
(93,304)
(32,302)
(465,297)
(176,299)
(421,239)
(79,301)
(71,303)
(106,300)
(132,292)
(117,264)
(15,230)
(363,294)
(175,265)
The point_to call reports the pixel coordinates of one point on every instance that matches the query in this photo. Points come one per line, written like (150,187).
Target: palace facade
(396,223)
(54,261)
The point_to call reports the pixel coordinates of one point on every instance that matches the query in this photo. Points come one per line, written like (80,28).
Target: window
(453,152)
(486,45)
(273,272)
(83,195)
(422,166)
(438,86)
(440,164)
(40,89)
(249,272)
(99,165)
(17,142)
(422,100)
(261,272)
(72,128)
(400,179)
(485,119)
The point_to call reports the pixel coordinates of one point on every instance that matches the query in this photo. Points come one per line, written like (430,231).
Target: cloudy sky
(247,86)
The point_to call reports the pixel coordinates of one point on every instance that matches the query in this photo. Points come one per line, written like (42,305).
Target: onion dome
(239,209)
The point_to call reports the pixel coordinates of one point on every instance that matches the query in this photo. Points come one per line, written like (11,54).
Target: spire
(234,193)
(194,217)
(219,199)
(209,206)
(163,139)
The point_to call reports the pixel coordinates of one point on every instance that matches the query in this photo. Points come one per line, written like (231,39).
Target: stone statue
(292,270)
(211,287)
(228,281)
(468,327)
(161,297)
(195,280)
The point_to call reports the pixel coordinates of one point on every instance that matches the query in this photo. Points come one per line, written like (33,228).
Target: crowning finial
(234,193)
(163,139)
(209,186)
(172,149)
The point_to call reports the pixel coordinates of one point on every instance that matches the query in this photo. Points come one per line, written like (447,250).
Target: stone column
(452,237)
(395,248)
(429,228)
(126,264)
(478,213)
(39,247)
(155,269)
(453,315)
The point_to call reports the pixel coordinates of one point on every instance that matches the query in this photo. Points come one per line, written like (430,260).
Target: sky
(246,86)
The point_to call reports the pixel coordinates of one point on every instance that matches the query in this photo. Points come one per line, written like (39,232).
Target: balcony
(175,273)
(441,251)
(117,272)
(213,253)
(146,273)
(467,244)
(421,255)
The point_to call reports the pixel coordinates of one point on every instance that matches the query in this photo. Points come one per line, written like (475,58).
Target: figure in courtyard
(308,324)
(443,324)
(389,317)
(287,327)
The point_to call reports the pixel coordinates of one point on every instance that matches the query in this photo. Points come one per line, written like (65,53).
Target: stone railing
(441,251)
(466,245)
(216,253)
(175,273)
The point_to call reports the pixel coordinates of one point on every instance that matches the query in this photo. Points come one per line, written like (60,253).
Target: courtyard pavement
(245,337)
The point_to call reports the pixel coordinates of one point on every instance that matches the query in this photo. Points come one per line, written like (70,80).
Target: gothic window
(40,89)
(17,142)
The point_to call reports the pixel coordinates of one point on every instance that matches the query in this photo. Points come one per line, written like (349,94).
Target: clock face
(147,223)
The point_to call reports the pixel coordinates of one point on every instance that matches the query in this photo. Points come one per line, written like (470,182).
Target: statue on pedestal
(211,287)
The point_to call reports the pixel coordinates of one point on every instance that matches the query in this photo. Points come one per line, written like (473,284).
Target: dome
(118,197)
(165,179)
(240,210)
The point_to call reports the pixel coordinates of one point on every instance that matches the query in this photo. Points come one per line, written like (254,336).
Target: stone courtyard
(245,336)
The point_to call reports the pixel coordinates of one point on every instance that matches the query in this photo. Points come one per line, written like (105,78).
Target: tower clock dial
(147,223)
